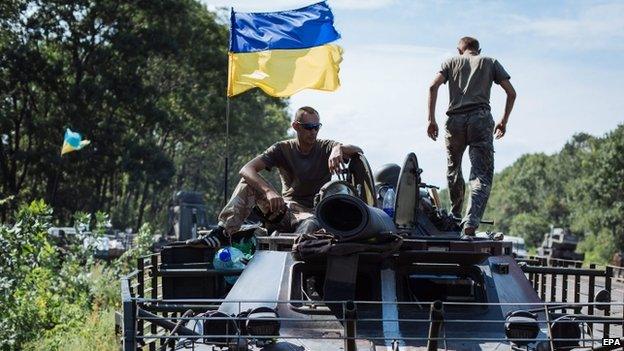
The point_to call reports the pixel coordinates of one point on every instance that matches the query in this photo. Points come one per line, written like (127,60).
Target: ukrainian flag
(72,142)
(284,52)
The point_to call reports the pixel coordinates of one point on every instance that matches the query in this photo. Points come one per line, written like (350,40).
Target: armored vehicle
(186,214)
(107,246)
(368,281)
(560,243)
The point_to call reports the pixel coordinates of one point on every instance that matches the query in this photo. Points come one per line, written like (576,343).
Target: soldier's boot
(468,233)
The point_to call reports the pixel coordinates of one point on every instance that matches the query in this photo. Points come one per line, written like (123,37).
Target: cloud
(597,26)
(381,105)
(391,57)
(405,49)
(278,5)
(360,4)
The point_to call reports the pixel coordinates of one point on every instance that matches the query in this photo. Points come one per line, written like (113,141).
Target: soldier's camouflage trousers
(475,131)
(296,218)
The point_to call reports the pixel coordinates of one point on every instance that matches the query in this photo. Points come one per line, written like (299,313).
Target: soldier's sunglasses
(310,126)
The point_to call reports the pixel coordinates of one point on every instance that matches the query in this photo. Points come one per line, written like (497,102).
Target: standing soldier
(470,124)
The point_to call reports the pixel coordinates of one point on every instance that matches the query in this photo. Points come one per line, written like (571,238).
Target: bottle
(228,258)
(247,246)
(388,202)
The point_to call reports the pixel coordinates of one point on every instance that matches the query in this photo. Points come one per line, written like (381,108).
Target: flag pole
(227,149)
(227,118)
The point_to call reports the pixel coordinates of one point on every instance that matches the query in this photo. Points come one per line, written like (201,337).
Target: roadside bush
(27,261)
(56,298)
(95,332)
(598,248)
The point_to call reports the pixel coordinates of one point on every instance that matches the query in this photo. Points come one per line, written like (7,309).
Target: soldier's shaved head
(304,111)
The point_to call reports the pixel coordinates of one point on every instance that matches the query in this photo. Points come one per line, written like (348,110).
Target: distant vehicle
(110,245)
(518,245)
(187,213)
(58,232)
(105,247)
(518,248)
(560,243)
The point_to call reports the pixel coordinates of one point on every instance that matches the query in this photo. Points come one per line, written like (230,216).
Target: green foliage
(52,298)
(24,254)
(82,221)
(598,247)
(529,226)
(142,246)
(6,200)
(579,187)
(94,334)
(145,82)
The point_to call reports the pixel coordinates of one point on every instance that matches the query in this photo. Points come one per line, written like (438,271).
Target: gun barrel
(349,218)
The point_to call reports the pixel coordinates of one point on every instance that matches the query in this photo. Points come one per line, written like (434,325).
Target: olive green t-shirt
(470,80)
(302,175)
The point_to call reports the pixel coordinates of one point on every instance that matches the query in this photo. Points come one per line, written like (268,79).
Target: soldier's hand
(500,130)
(336,160)
(276,202)
(432,130)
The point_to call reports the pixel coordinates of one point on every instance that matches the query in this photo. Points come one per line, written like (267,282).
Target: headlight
(565,328)
(262,321)
(521,327)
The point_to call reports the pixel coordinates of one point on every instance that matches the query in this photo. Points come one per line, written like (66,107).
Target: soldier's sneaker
(211,238)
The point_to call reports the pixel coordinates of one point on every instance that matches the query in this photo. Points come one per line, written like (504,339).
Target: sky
(565,59)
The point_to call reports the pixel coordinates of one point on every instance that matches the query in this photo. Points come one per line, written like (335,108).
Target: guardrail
(564,281)
(618,272)
(150,322)
(180,330)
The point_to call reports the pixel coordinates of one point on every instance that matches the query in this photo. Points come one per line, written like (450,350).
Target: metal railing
(151,322)
(434,328)
(568,280)
(618,272)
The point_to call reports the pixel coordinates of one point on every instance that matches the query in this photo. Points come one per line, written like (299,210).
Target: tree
(145,82)
(579,187)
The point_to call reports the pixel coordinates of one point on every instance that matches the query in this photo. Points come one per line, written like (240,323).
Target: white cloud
(278,5)
(257,6)
(404,49)
(360,4)
(598,26)
(381,106)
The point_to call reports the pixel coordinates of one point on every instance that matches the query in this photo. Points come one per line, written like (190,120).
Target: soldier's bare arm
(501,127)
(338,155)
(350,150)
(432,128)
(250,173)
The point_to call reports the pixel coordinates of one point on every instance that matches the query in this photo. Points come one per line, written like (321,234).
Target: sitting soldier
(305,164)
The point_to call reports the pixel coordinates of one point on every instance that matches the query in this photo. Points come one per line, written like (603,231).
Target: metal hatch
(362,179)
(408,194)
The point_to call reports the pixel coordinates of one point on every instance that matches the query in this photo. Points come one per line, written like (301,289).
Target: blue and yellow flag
(72,142)
(284,52)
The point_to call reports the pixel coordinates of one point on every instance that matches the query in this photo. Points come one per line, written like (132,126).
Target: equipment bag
(321,244)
